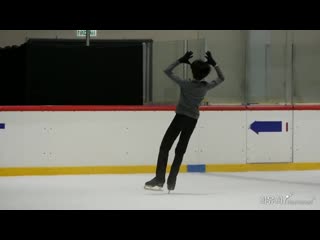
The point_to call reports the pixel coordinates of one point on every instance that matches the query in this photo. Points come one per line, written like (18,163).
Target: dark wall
(12,75)
(70,73)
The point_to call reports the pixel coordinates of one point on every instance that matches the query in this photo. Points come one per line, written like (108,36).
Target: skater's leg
(170,136)
(188,128)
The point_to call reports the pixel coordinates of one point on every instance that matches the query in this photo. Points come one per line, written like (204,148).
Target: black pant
(180,124)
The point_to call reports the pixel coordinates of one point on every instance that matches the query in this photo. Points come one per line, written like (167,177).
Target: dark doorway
(67,72)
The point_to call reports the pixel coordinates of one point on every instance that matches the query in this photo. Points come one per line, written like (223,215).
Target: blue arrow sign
(2,125)
(266,126)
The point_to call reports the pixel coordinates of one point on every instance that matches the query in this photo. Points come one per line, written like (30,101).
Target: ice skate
(171,184)
(154,185)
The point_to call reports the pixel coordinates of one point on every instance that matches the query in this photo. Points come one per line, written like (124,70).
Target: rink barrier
(70,108)
(192,168)
(54,170)
(116,108)
(156,108)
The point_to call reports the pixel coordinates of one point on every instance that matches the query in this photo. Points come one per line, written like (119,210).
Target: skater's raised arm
(169,70)
(213,63)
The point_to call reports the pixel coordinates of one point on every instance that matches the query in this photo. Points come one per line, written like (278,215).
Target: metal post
(185,49)
(88,38)
(144,72)
(266,68)
(293,83)
(245,99)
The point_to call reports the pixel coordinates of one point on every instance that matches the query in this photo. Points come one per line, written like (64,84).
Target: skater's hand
(210,59)
(186,57)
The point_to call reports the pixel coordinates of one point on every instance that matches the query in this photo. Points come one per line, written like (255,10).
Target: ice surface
(246,190)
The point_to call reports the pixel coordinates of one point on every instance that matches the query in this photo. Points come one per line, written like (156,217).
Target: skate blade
(155,188)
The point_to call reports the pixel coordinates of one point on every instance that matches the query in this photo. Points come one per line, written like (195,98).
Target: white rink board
(114,138)
(269,147)
(81,138)
(306,136)
(222,137)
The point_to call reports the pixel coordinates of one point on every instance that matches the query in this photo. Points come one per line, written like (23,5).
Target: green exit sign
(83,33)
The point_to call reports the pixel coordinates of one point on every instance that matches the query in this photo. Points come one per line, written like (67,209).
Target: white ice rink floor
(249,190)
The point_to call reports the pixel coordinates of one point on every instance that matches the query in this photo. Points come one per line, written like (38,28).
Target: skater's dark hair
(200,69)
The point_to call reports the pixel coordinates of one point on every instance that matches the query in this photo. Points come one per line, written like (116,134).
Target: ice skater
(192,94)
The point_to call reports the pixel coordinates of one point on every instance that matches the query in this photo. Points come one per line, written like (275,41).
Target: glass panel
(232,61)
(164,90)
(267,74)
(277,80)
(306,80)
(198,49)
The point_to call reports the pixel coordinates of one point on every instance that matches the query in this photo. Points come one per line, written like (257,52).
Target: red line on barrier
(269,108)
(223,108)
(87,108)
(307,107)
(157,108)
(116,108)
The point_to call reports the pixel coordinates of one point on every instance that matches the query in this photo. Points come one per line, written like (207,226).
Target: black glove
(210,60)
(186,57)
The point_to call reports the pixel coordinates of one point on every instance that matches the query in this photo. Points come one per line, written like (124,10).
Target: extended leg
(180,151)
(170,136)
